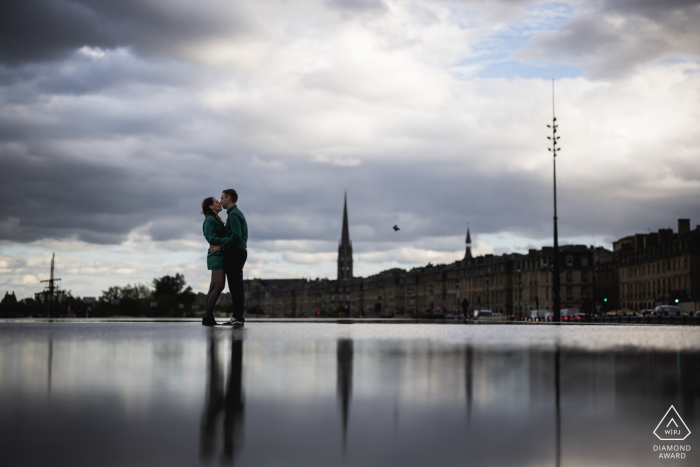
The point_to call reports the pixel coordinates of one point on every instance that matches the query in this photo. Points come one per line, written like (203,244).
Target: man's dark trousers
(234,260)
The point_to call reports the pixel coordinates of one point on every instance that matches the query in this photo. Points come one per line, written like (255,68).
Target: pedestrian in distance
(235,252)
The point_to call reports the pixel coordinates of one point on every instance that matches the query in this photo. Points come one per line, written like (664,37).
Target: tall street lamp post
(556,308)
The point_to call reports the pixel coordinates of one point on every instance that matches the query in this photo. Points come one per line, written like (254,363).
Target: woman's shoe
(208,320)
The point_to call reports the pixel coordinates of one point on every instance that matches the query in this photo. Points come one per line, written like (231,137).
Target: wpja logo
(671,428)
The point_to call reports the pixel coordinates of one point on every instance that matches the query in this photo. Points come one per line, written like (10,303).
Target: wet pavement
(324,394)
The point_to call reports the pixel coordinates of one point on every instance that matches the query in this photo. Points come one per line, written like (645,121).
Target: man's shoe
(208,320)
(233,322)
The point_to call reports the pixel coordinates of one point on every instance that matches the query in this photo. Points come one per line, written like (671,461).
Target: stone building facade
(659,267)
(642,271)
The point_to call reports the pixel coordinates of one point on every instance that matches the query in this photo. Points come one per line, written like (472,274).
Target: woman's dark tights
(218,281)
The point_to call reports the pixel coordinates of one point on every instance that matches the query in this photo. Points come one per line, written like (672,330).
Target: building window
(569,260)
(584,276)
(569,292)
(584,291)
(584,261)
(568,276)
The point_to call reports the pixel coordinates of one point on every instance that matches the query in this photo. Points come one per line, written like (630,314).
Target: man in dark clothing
(235,253)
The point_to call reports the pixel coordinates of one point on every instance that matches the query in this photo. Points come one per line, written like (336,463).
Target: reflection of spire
(345,356)
(468,252)
(469,383)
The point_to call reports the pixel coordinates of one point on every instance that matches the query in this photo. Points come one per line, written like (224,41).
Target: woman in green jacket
(215,233)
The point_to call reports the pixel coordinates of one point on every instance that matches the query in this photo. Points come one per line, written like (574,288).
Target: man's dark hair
(231,193)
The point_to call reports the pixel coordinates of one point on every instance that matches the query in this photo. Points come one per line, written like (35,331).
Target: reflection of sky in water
(328,394)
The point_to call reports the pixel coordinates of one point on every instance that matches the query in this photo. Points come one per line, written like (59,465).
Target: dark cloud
(357,5)
(47,197)
(610,38)
(650,8)
(38,30)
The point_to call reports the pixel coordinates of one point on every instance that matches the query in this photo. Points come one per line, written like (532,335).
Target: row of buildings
(642,271)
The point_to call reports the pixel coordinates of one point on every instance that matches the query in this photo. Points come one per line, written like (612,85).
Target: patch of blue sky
(492,55)
(680,59)
(515,68)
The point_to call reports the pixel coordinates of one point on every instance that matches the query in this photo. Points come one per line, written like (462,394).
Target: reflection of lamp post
(557,357)
(556,308)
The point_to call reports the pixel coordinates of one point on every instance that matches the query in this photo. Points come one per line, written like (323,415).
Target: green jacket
(214,232)
(236,230)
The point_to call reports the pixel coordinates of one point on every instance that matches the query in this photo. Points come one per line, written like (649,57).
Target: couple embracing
(227,254)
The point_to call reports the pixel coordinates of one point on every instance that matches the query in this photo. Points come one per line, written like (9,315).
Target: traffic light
(676,300)
(605,299)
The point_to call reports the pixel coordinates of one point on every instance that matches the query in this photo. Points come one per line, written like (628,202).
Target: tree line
(168,296)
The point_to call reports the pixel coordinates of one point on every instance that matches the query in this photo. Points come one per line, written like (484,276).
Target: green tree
(170,285)
(172,291)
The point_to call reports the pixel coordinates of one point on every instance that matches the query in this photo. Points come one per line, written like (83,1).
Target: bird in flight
(396,228)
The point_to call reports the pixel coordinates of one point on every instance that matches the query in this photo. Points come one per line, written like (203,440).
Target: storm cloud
(40,30)
(610,38)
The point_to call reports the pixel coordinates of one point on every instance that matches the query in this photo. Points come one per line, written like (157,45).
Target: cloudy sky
(117,117)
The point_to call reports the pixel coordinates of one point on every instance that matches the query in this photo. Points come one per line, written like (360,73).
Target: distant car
(646,313)
(670,310)
(537,315)
(569,314)
(489,315)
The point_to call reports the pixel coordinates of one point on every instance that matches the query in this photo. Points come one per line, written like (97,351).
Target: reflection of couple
(227,254)
(227,399)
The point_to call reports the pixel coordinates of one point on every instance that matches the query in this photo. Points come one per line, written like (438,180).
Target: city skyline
(118,119)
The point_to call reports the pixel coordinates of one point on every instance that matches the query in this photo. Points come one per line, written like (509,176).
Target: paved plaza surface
(300,393)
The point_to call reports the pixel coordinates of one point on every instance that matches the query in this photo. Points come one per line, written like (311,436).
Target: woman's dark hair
(206,207)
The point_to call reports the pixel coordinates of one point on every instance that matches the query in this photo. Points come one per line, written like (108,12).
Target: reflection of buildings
(229,401)
(644,270)
(345,356)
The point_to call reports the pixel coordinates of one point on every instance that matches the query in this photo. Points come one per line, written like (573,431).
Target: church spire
(468,252)
(345,238)
(345,247)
